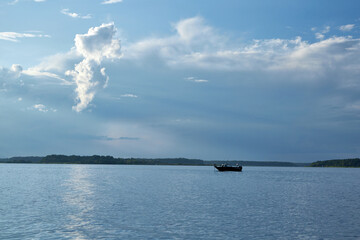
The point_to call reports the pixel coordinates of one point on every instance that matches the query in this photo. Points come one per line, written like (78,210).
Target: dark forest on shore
(96,159)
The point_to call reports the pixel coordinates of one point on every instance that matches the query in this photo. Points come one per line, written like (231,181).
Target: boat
(226,168)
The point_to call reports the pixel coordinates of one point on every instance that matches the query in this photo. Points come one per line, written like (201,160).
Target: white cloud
(14,36)
(95,46)
(53,67)
(106,138)
(12,73)
(42,108)
(192,35)
(16,1)
(99,43)
(35,72)
(88,77)
(321,35)
(193,79)
(16,69)
(129,95)
(111,1)
(67,12)
(347,27)
(296,57)
(13,2)
(332,54)
(196,45)
(192,28)
(10,78)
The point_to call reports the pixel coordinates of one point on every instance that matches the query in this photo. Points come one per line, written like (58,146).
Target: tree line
(353,162)
(97,159)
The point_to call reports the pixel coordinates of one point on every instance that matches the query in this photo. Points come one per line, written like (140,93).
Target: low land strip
(96,159)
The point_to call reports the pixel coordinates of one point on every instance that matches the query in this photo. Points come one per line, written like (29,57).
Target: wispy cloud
(129,95)
(191,35)
(196,45)
(42,108)
(321,34)
(10,78)
(16,1)
(12,73)
(197,80)
(111,1)
(35,72)
(347,27)
(67,12)
(13,2)
(106,138)
(14,36)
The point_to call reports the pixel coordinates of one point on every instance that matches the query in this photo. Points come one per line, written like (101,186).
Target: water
(177,202)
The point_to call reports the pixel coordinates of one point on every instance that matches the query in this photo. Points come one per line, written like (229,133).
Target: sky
(215,80)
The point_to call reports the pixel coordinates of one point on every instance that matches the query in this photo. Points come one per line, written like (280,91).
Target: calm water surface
(177,202)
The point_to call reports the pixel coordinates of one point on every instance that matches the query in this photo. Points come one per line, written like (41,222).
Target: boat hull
(228,168)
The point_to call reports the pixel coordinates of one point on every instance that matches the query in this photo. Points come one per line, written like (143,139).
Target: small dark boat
(225,168)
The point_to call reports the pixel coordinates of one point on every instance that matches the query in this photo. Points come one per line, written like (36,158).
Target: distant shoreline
(96,159)
(339,163)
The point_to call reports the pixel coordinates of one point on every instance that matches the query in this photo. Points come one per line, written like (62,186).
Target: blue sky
(247,80)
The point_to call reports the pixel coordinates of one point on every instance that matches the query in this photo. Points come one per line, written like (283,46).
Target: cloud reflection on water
(79,198)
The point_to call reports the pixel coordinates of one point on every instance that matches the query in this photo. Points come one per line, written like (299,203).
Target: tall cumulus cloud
(97,44)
